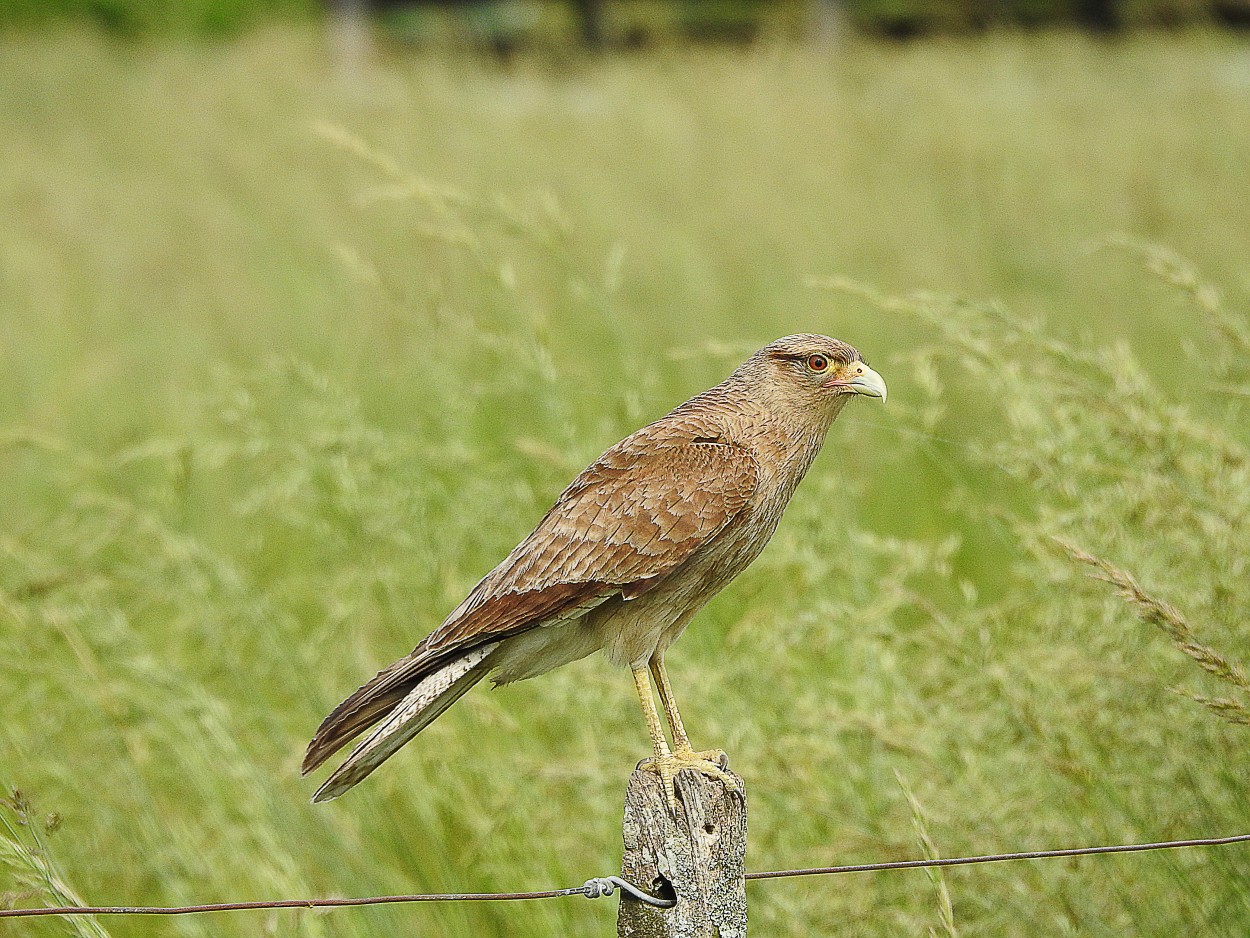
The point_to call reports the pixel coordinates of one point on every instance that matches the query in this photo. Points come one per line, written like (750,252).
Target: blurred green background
(293,348)
(635,20)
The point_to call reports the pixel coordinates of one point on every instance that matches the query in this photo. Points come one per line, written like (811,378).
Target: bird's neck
(791,447)
(786,440)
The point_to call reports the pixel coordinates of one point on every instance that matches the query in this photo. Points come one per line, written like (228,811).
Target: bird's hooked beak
(860,379)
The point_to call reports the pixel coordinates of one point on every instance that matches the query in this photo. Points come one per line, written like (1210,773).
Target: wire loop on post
(602,886)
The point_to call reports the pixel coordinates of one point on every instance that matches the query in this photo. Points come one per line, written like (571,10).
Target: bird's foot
(712,763)
(717,757)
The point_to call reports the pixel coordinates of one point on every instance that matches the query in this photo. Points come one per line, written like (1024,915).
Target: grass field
(289,358)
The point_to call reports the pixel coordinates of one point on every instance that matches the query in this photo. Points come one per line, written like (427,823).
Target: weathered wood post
(697,857)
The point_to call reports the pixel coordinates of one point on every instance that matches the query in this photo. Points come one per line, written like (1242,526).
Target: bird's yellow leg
(681,742)
(658,743)
(663,763)
(710,763)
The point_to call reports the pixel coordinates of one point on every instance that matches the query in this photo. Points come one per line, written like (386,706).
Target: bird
(636,544)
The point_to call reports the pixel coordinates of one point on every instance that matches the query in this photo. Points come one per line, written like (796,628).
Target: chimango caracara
(631,550)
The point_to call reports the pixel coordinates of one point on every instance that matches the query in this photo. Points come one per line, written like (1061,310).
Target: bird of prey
(631,550)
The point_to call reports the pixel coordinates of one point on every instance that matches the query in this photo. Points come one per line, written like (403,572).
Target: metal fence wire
(601,886)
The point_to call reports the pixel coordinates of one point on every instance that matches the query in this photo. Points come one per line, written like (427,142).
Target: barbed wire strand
(605,885)
(999,857)
(592,889)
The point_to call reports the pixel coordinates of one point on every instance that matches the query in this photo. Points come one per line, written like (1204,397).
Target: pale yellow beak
(868,383)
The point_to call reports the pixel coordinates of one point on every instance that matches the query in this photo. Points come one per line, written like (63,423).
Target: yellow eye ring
(817,363)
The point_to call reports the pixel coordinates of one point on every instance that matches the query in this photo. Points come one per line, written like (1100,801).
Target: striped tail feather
(408,715)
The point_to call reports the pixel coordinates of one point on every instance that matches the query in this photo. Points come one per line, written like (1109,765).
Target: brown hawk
(631,550)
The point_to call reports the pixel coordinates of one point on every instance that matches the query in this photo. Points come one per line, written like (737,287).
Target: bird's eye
(817,362)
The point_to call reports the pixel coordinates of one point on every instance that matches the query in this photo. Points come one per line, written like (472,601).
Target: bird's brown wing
(631,518)
(627,521)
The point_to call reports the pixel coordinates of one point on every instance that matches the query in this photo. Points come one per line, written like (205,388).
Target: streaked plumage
(639,541)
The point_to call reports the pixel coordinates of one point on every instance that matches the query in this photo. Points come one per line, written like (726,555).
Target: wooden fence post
(697,857)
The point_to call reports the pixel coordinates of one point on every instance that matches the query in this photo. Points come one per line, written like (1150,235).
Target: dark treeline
(600,22)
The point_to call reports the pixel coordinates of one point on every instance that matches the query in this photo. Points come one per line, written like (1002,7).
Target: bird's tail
(405,698)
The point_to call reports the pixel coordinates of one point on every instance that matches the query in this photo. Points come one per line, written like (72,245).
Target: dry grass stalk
(1167,617)
(24,852)
(946,909)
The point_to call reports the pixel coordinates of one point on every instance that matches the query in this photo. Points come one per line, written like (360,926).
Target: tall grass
(291,359)
(26,859)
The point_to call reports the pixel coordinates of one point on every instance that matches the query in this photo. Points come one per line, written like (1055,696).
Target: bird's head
(811,372)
